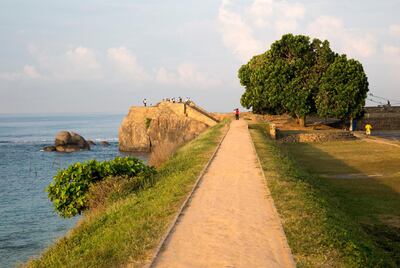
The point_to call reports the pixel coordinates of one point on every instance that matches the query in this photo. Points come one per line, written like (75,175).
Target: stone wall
(381,118)
(200,115)
(318,137)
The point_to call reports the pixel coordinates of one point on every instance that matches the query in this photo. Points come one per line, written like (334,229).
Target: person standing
(145,102)
(368,128)
(237,113)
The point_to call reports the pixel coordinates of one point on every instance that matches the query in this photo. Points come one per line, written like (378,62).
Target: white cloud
(240,24)
(28,72)
(31,72)
(127,64)
(281,15)
(392,53)
(395,30)
(78,63)
(187,74)
(344,39)
(236,34)
(246,30)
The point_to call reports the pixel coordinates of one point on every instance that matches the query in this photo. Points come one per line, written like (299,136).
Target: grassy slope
(128,230)
(319,231)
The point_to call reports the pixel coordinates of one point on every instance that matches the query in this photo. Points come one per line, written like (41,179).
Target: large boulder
(68,142)
(62,138)
(146,127)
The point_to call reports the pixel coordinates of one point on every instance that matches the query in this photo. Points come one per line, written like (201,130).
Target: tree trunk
(302,121)
(351,124)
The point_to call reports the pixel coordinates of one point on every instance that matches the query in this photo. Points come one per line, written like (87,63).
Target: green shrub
(70,186)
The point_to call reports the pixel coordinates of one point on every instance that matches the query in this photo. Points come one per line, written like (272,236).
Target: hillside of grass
(126,231)
(319,231)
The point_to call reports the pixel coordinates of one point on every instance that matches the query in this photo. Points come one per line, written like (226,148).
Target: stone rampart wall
(381,118)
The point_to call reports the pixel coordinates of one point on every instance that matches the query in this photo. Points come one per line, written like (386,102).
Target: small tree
(343,89)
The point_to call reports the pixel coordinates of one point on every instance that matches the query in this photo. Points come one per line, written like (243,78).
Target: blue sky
(104,56)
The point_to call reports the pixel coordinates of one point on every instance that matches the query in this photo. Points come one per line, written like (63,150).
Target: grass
(321,216)
(128,230)
(162,152)
(366,179)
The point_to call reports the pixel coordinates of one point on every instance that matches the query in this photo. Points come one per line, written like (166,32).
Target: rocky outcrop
(67,142)
(145,127)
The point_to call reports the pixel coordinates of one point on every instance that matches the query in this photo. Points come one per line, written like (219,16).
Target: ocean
(28,222)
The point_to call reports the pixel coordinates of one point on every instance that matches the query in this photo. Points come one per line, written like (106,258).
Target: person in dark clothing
(145,102)
(237,113)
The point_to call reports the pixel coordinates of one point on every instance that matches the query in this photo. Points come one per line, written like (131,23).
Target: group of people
(172,100)
(188,100)
(177,100)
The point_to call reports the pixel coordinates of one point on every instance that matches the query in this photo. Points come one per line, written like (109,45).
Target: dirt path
(231,220)
(376,139)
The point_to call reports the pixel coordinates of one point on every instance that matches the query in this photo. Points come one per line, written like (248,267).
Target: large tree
(287,78)
(343,89)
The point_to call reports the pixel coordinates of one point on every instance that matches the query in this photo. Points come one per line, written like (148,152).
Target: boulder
(68,142)
(91,142)
(68,148)
(105,143)
(62,138)
(49,149)
(78,140)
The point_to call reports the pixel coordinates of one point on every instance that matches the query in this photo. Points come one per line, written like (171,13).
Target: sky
(103,56)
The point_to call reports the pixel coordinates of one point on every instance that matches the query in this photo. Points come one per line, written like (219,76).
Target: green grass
(321,226)
(127,231)
(366,179)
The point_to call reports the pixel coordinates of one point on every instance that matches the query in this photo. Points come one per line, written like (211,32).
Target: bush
(70,186)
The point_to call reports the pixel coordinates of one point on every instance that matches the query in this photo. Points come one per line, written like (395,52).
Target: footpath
(231,220)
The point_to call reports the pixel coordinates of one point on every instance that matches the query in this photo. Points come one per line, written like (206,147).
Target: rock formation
(145,127)
(68,142)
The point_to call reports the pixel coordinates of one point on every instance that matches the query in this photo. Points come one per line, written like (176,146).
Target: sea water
(28,222)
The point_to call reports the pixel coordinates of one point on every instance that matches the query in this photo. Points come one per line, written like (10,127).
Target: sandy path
(231,220)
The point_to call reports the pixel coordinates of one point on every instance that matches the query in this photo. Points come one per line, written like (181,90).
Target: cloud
(395,30)
(247,29)
(27,72)
(31,72)
(392,53)
(282,16)
(78,63)
(186,74)
(236,34)
(239,24)
(127,64)
(348,41)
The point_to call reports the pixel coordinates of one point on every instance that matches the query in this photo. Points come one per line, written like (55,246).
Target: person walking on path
(368,128)
(237,113)
(145,102)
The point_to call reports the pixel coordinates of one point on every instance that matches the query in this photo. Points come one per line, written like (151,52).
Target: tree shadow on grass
(362,196)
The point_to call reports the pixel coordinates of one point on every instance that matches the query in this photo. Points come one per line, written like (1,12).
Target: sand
(231,220)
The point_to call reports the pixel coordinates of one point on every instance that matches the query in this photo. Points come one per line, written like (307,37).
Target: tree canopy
(300,76)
